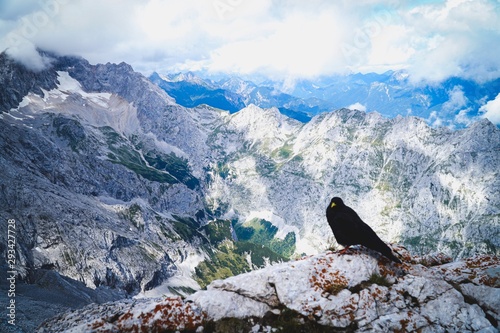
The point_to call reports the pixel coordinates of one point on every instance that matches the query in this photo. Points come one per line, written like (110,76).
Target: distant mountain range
(454,102)
(233,94)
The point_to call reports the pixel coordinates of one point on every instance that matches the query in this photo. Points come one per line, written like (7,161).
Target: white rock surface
(358,291)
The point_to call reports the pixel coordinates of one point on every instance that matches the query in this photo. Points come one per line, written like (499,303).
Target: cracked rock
(328,291)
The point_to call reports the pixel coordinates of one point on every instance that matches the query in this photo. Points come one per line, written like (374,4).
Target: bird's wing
(368,236)
(362,232)
(371,240)
(346,232)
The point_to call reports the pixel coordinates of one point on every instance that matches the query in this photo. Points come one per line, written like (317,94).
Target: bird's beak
(333,205)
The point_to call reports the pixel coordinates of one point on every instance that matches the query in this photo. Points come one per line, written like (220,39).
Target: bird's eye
(333,205)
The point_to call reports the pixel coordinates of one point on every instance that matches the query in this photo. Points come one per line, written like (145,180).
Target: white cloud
(297,45)
(357,106)
(456,101)
(27,54)
(435,120)
(390,49)
(290,39)
(454,38)
(492,110)
(463,117)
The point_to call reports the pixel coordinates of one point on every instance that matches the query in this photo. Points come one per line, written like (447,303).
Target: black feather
(349,229)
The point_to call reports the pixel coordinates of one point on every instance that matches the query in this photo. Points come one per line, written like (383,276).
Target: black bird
(349,229)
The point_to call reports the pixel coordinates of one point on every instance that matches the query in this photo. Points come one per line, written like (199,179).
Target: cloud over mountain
(433,40)
(492,110)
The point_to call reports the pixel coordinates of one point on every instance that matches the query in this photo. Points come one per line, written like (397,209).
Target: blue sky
(284,40)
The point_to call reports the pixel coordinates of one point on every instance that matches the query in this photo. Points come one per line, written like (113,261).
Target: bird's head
(336,202)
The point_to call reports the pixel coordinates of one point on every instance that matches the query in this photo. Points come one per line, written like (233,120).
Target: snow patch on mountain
(68,85)
(97,109)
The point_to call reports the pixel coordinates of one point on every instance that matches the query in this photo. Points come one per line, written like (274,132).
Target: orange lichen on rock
(481,270)
(326,279)
(432,259)
(169,314)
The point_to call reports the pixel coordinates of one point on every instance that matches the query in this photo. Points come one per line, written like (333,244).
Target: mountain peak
(189,76)
(264,123)
(17,81)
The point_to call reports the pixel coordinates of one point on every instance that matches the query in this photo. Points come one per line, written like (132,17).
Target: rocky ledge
(355,292)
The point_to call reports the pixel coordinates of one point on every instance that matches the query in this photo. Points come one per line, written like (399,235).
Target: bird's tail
(387,252)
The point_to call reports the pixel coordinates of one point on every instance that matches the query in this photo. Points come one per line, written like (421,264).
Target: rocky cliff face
(356,292)
(430,189)
(17,81)
(94,193)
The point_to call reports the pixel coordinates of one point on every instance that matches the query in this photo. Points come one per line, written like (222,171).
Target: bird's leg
(344,250)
